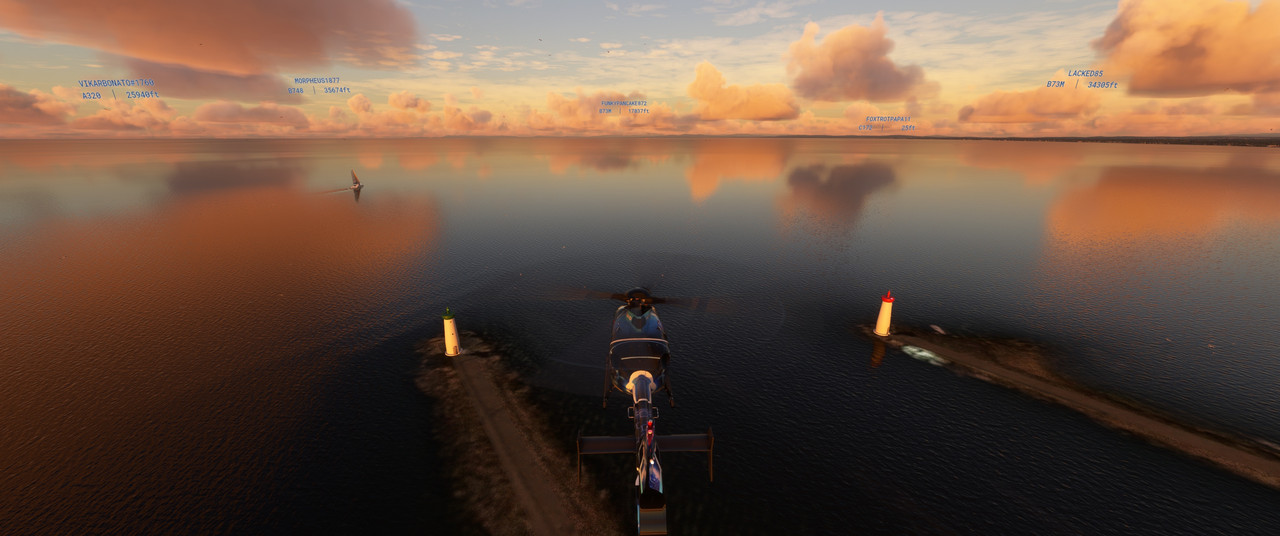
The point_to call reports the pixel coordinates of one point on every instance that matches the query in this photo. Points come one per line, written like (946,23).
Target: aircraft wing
(354,181)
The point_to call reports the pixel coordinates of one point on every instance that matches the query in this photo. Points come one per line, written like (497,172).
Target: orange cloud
(1037,105)
(145,114)
(852,63)
(759,102)
(1194,47)
(408,101)
(268,35)
(581,114)
(395,122)
(267,112)
(178,81)
(35,108)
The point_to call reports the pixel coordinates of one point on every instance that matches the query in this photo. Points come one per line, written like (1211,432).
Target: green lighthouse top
(447,315)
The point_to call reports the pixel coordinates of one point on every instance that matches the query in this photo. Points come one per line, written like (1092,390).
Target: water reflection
(199,177)
(715,160)
(877,352)
(169,326)
(1132,203)
(1038,162)
(602,154)
(835,195)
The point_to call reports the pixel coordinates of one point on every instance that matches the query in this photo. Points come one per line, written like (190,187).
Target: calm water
(203,336)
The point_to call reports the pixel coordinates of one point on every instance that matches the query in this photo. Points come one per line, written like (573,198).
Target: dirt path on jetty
(1018,366)
(506,474)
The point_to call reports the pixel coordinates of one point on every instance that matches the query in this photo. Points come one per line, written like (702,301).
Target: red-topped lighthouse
(886,309)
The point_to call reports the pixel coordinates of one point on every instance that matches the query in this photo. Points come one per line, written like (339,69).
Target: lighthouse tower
(886,309)
(450,335)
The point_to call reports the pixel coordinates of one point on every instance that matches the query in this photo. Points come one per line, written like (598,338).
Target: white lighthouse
(886,309)
(450,335)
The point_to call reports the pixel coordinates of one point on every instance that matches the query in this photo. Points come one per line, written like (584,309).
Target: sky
(397,68)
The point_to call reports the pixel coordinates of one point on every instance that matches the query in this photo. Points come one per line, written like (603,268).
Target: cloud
(580,40)
(360,104)
(35,108)
(144,114)
(1037,105)
(445,37)
(1194,47)
(267,112)
(581,114)
(759,102)
(758,13)
(408,101)
(477,93)
(1267,103)
(852,63)
(179,81)
(268,36)
(458,121)
(636,10)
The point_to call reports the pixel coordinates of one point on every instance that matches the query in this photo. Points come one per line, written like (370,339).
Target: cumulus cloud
(581,114)
(1037,105)
(270,35)
(407,101)
(477,93)
(35,108)
(1194,47)
(853,63)
(267,112)
(760,102)
(145,114)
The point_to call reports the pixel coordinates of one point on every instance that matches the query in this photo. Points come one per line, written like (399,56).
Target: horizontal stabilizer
(666,443)
(686,442)
(606,445)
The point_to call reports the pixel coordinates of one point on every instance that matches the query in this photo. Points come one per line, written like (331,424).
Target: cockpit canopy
(637,323)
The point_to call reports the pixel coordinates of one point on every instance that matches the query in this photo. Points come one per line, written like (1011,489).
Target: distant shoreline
(1023,366)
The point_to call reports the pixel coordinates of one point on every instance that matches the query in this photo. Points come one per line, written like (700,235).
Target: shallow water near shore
(198,338)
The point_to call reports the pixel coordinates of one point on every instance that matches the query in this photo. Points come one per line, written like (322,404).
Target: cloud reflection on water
(835,195)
